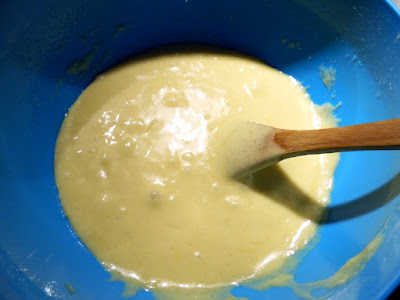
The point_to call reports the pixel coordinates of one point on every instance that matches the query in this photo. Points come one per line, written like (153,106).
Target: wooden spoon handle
(383,135)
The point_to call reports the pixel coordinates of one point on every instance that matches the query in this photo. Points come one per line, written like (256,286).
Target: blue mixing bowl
(51,50)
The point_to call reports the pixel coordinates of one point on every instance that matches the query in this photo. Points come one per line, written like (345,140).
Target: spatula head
(250,147)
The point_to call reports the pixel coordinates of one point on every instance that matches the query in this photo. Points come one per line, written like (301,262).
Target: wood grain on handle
(383,135)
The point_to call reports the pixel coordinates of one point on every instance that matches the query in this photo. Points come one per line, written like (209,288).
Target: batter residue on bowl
(140,181)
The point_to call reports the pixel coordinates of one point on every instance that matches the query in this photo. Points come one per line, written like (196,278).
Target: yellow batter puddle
(140,181)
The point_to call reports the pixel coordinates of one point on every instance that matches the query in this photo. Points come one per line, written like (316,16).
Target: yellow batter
(140,181)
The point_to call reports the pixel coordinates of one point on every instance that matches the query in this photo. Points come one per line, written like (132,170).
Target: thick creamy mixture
(140,181)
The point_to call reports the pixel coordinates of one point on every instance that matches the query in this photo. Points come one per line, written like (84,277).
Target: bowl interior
(51,51)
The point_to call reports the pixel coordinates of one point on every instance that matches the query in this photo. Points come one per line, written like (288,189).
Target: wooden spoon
(252,146)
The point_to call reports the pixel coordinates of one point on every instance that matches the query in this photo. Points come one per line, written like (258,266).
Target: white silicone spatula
(253,146)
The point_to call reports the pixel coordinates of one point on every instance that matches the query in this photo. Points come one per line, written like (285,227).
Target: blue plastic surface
(39,252)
